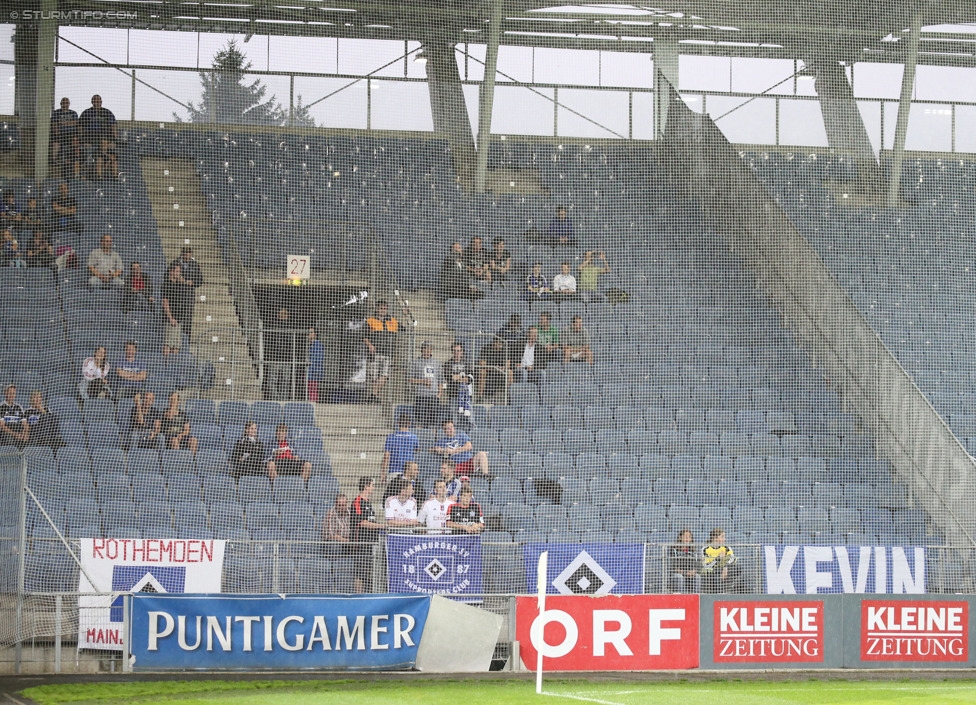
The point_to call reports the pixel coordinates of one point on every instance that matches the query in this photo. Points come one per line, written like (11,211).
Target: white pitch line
(580,697)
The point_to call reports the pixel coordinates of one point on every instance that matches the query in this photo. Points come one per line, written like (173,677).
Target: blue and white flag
(444,565)
(588,568)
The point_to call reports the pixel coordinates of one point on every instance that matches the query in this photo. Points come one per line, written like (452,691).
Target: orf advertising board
(768,632)
(609,633)
(914,630)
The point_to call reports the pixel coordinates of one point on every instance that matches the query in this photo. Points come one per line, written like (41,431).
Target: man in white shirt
(401,508)
(527,362)
(433,514)
(564,283)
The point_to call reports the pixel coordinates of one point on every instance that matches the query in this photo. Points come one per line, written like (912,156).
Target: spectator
(33,218)
(105,266)
(97,134)
(14,425)
(145,422)
(248,454)
(175,426)
(427,380)
(137,292)
(456,281)
(336,525)
(174,310)
(411,474)
(564,283)
(512,330)
(590,271)
(95,370)
(494,370)
(684,564)
(65,147)
(40,253)
(11,217)
(561,230)
(451,483)
(192,279)
(11,255)
(316,365)
(380,342)
(526,358)
(433,513)
(364,533)
(44,429)
(459,378)
(719,567)
(576,342)
(400,508)
(456,445)
(464,516)
(131,372)
(283,459)
(548,340)
(476,261)
(536,284)
(399,447)
(500,264)
(64,211)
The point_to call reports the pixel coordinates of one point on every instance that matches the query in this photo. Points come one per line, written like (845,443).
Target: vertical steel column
(487,99)
(904,107)
(47,36)
(665,71)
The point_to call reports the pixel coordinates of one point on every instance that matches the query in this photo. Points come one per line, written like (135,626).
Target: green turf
(731,692)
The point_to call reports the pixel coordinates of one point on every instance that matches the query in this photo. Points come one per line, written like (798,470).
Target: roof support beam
(904,108)
(487,99)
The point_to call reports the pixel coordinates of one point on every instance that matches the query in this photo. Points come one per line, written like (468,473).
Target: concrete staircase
(183,219)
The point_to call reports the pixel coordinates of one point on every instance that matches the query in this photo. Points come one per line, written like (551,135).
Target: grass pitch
(503,692)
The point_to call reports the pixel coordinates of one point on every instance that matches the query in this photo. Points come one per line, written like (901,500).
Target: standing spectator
(459,378)
(685,564)
(526,358)
(464,516)
(175,426)
(380,340)
(248,454)
(564,283)
(105,266)
(335,528)
(64,211)
(97,134)
(283,458)
(95,371)
(576,343)
(400,508)
(451,483)
(411,474)
(476,261)
(548,340)
(399,447)
(427,379)
(44,429)
(364,533)
(456,445)
(174,305)
(561,229)
(590,270)
(192,279)
(500,263)
(137,292)
(131,372)
(512,330)
(433,513)
(40,253)
(14,426)
(721,572)
(65,148)
(494,370)
(145,422)
(536,284)
(315,374)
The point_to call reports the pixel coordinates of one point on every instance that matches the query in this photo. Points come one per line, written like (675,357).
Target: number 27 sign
(299,267)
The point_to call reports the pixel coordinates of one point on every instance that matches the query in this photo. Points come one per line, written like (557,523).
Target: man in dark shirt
(64,211)
(365,530)
(175,309)
(145,422)
(13,419)
(192,280)
(464,516)
(248,455)
(98,133)
(137,292)
(494,370)
(64,139)
(44,429)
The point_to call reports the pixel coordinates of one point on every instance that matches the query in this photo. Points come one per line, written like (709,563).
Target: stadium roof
(866,30)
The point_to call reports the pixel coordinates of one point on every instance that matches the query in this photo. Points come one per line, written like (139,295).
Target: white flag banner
(122,566)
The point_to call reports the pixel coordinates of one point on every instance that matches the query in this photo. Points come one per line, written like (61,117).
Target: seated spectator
(399,447)
(97,134)
(105,266)
(464,516)
(145,422)
(684,564)
(456,445)
(551,350)
(536,284)
(452,484)
(561,229)
(527,361)
(380,341)
(335,527)
(500,263)
(248,454)
(64,211)
(137,292)
(14,425)
(494,370)
(131,372)
(315,374)
(720,570)
(564,284)
(65,148)
(427,380)
(590,270)
(33,218)
(40,253)
(476,261)
(576,343)
(95,370)
(11,217)
(455,280)
(10,254)
(400,508)
(283,459)
(44,429)
(512,330)
(175,427)
(433,513)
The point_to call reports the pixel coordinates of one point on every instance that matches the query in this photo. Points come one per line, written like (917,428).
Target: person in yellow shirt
(720,572)
(381,343)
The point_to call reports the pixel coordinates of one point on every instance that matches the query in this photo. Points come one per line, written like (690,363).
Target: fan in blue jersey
(400,446)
